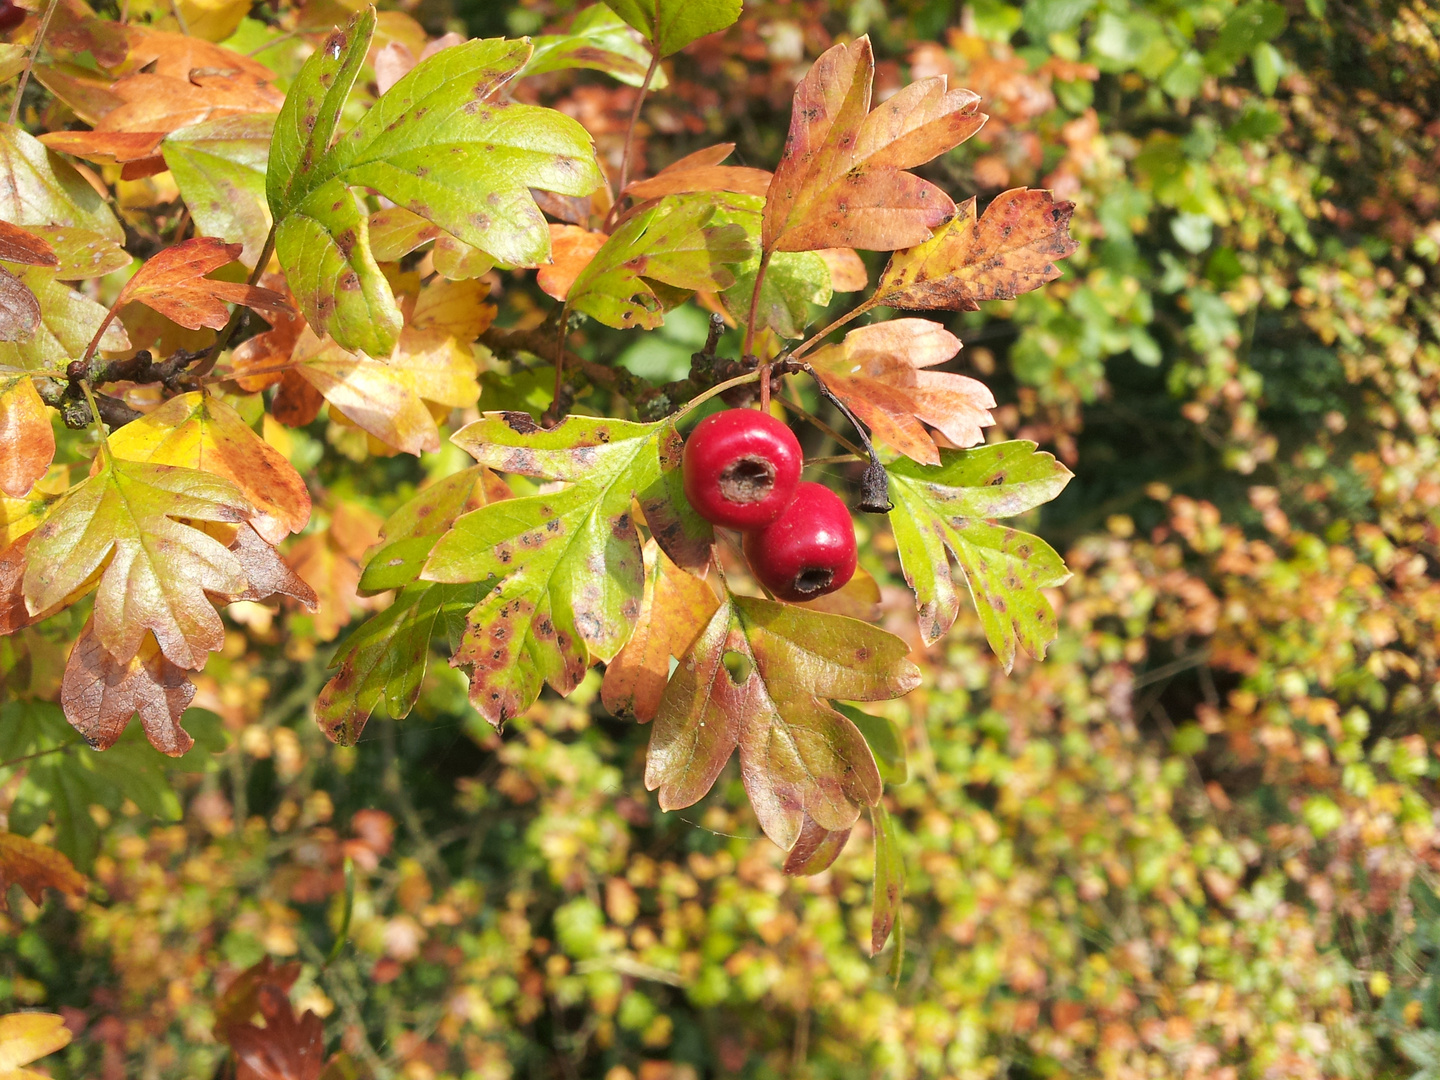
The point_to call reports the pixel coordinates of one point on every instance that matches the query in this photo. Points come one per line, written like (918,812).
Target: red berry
(809,550)
(741,467)
(10,15)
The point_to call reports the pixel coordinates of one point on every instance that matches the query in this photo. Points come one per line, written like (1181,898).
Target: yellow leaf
(27,1037)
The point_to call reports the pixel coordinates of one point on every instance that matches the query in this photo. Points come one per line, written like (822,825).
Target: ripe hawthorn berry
(11,16)
(740,468)
(809,550)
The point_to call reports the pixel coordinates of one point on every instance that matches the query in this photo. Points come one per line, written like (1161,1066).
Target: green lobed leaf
(568,563)
(794,280)
(436,144)
(670,25)
(597,39)
(385,658)
(220,168)
(947,507)
(885,743)
(410,533)
(671,242)
(757,679)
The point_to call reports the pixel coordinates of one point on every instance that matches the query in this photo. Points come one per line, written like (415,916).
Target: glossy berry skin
(740,468)
(809,550)
(10,16)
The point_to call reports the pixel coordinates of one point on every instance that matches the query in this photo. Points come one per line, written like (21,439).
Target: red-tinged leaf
(757,678)
(174,284)
(266,573)
(701,171)
(841,181)
(571,249)
(240,1001)
(155,102)
(100,694)
(19,309)
(1009,250)
(847,269)
(200,431)
(673,610)
(14,615)
(815,849)
(888,911)
(878,372)
(27,442)
(286,1048)
(35,868)
(19,245)
(267,353)
(121,525)
(107,147)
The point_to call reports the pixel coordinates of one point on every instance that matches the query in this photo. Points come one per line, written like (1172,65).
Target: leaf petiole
(223,339)
(718,388)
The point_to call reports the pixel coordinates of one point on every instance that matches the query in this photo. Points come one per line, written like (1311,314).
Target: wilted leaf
(702,171)
(571,251)
(568,563)
(100,694)
(674,609)
(670,25)
(815,849)
(1006,252)
(948,507)
(671,242)
(597,39)
(266,573)
(200,431)
(889,886)
(156,570)
(26,1037)
(219,167)
(27,442)
(437,145)
(35,868)
(19,310)
(173,283)
(756,678)
(878,371)
(841,181)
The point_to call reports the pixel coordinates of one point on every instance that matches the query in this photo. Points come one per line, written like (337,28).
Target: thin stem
(104,325)
(95,421)
(630,135)
(30,60)
(747,350)
(203,368)
(826,428)
(37,754)
(560,336)
(815,339)
(718,388)
(836,459)
(272,42)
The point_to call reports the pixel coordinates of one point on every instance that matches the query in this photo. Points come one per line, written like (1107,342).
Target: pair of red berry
(742,471)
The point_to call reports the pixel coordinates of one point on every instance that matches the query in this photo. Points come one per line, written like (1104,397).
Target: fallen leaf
(878,372)
(200,431)
(701,171)
(673,610)
(841,181)
(571,250)
(100,694)
(27,441)
(757,678)
(173,283)
(35,868)
(121,525)
(1009,250)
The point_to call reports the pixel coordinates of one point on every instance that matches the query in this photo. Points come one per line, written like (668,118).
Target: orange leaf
(673,610)
(268,352)
(157,102)
(174,284)
(847,269)
(19,245)
(702,171)
(100,694)
(1006,252)
(877,372)
(106,147)
(571,249)
(27,442)
(841,181)
(35,868)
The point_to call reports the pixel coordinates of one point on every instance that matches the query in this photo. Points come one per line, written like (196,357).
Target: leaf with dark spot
(100,694)
(799,758)
(948,507)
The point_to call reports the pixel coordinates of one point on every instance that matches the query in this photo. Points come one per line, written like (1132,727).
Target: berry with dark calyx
(741,467)
(809,550)
(11,15)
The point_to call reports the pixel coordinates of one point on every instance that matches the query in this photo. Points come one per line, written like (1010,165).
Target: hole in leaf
(738,666)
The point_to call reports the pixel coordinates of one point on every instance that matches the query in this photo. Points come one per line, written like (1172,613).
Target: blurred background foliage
(1199,840)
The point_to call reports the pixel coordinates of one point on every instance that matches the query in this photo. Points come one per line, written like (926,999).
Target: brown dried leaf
(286,1048)
(877,371)
(35,868)
(19,309)
(173,283)
(1006,252)
(19,245)
(100,694)
(267,573)
(841,181)
(815,848)
(673,610)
